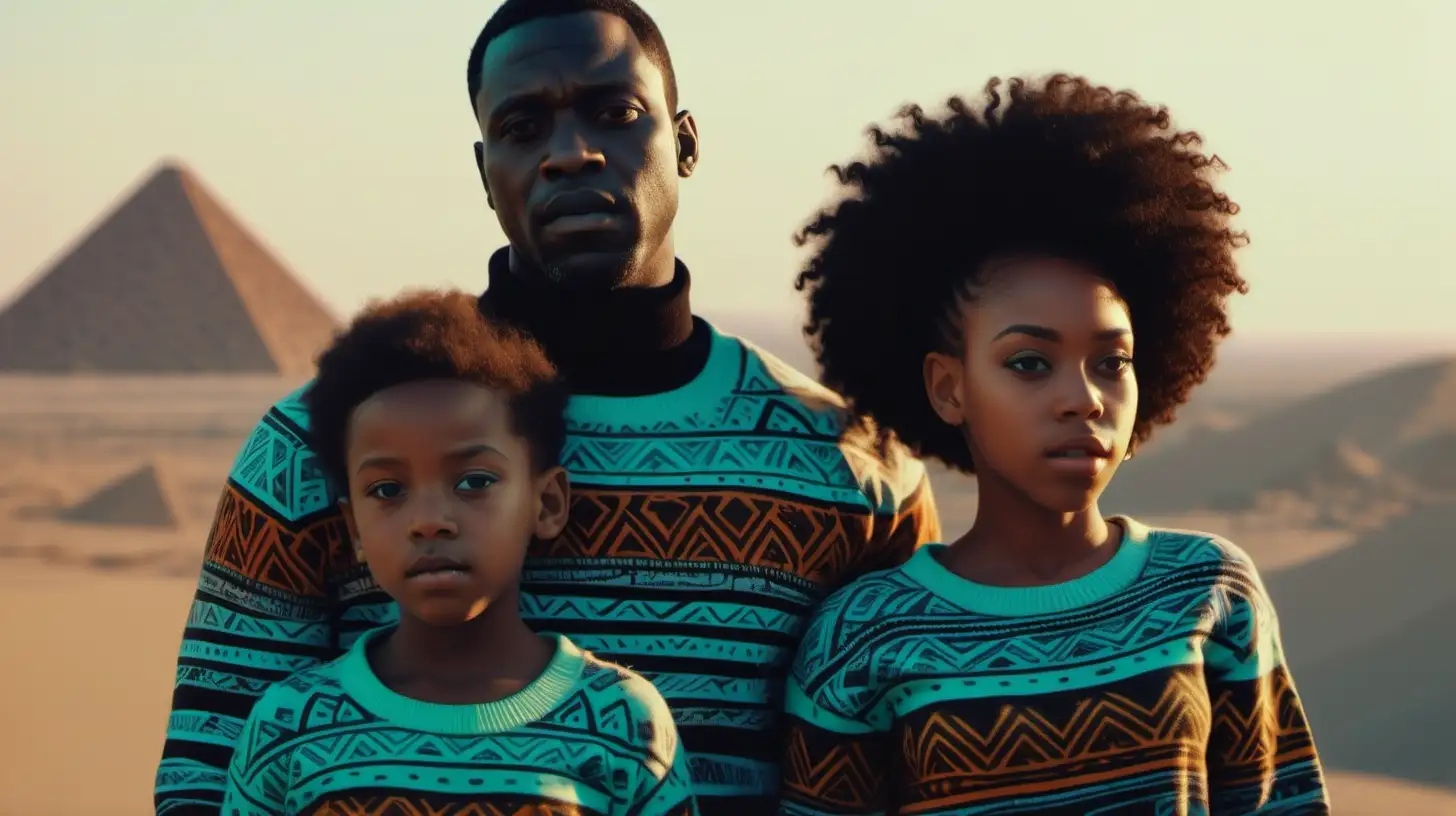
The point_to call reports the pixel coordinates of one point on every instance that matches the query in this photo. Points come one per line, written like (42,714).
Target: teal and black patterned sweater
(1154,685)
(586,738)
(707,524)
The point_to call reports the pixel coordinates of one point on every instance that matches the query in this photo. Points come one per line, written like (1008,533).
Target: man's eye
(518,129)
(620,114)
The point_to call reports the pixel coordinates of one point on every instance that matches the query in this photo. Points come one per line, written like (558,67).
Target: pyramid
(168,283)
(138,499)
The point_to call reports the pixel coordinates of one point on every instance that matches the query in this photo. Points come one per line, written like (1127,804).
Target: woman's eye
(1028,365)
(1117,364)
(475,482)
(385,490)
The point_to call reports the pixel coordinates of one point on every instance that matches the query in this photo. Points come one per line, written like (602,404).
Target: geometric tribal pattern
(1170,696)
(311,746)
(705,527)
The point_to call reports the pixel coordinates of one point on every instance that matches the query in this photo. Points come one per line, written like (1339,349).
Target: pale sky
(341,131)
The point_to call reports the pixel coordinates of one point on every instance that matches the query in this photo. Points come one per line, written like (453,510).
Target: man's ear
(480,166)
(688,144)
(555,487)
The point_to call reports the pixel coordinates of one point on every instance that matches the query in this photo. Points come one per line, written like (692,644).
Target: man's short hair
(513,13)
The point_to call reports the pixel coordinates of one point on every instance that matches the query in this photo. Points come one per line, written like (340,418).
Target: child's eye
(386,491)
(1030,364)
(475,482)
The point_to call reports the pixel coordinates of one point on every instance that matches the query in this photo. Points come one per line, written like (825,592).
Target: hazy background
(339,135)
(342,130)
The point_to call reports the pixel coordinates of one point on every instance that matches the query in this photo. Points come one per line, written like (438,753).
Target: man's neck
(622,342)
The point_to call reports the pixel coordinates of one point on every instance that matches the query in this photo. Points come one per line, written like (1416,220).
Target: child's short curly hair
(1061,168)
(426,336)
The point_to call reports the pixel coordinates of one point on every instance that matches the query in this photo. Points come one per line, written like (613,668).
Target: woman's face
(1043,383)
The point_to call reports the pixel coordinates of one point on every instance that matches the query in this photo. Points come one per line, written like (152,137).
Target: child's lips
(438,567)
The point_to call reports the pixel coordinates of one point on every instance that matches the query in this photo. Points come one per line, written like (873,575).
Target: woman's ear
(944,376)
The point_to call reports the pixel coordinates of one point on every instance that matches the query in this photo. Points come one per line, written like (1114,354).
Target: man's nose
(570,153)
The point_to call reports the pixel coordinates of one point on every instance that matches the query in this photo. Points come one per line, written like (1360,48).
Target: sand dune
(1384,706)
(1366,795)
(1385,415)
(1369,590)
(1367,631)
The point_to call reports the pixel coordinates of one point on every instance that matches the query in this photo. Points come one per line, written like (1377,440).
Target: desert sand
(90,654)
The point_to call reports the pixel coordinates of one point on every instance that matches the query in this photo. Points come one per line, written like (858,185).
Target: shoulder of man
(277,465)
(879,462)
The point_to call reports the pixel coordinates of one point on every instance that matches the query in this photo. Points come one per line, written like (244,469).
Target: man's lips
(577,204)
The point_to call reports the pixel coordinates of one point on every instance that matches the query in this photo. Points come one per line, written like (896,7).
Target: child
(447,433)
(979,298)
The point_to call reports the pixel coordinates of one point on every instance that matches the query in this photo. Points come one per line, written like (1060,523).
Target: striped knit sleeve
(262,609)
(835,753)
(1261,756)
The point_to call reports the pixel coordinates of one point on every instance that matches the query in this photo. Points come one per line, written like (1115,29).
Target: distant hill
(1385,706)
(1367,632)
(1345,438)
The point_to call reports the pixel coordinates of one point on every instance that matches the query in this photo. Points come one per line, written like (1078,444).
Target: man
(718,496)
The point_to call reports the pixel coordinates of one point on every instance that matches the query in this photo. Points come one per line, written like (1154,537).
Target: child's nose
(433,528)
(432,518)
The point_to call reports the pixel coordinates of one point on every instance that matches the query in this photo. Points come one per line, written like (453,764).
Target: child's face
(443,500)
(1044,383)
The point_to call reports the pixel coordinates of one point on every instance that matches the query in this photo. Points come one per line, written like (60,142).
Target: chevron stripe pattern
(705,527)
(312,747)
(1169,697)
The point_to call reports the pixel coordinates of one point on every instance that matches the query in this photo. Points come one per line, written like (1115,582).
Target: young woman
(1024,289)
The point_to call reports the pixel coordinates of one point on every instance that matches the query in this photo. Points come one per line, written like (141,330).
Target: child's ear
(347,511)
(943,375)
(555,487)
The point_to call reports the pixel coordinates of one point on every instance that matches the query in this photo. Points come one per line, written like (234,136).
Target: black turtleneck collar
(622,343)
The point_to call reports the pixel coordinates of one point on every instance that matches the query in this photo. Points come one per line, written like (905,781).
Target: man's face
(580,153)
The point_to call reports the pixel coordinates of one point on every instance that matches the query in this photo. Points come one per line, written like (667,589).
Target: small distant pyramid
(138,499)
(168,283)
